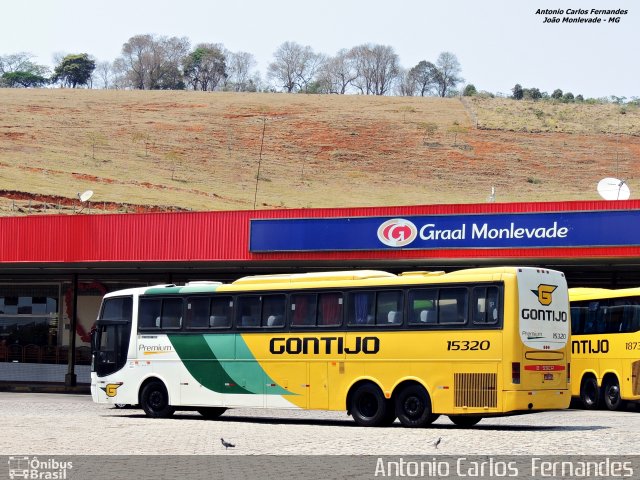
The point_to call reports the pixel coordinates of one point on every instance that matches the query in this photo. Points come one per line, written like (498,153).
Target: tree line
(151,62)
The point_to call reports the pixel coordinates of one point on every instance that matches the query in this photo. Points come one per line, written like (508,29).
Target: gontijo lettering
(326,345)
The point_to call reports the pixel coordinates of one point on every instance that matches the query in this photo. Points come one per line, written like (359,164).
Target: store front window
(29,326)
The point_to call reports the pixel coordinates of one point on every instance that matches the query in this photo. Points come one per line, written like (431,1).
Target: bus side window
(361,308)
(197,312)
(577,319)
(593,311)
(171,317)
(221,310)
(422,306)
(485,305)
(389,307)
(303,309)
(248,311)
(149,310)
(273,310)
(330,309)
(452,305)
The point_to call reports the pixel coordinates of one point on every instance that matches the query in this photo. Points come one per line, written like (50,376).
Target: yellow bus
(605,343)
(468,344)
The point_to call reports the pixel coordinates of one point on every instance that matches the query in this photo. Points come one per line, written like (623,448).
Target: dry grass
(142,150)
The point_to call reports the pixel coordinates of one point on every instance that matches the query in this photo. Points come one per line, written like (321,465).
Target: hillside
(166,150)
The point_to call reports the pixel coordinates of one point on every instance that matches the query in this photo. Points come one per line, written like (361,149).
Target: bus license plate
(548,376)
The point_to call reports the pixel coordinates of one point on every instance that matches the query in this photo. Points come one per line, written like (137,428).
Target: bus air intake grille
(476,390)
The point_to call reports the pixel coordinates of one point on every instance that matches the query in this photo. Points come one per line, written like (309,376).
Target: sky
(498,43)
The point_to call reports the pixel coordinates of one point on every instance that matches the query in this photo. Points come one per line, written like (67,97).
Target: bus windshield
(111,338)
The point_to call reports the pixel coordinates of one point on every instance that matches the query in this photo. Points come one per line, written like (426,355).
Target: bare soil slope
(156,151)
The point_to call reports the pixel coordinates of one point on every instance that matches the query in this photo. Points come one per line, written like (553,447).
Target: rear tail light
(568,373)
(515,372)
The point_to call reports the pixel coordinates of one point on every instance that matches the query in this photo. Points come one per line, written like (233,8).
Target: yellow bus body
(606,361)
(467,372)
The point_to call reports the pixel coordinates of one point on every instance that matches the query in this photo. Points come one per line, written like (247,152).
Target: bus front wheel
(155,400)
(611,394)
(369,408)
(589,393)
(413,407)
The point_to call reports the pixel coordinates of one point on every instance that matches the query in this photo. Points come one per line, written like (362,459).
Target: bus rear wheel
(369,408)
(611,394)
(211,413)
(589,393)
(413,407)
(155,400)
(465,421)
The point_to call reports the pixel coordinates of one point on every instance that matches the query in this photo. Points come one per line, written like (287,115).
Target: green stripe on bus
(245,368)
(223,363)
(202,364)
(205,288)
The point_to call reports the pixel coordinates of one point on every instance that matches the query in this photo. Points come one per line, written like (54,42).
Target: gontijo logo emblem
(111,389)
(397,232)
(544,294)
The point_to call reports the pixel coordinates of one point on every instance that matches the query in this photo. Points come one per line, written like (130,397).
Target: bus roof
(313,277)
(587,293)
(346,278)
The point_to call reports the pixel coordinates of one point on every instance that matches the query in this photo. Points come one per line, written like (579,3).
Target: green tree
(447,73)
(22,79)
(518,92)
(469,90)
(424,75)
(74,70)
(532,93)
(568,97)
(17,70)
(557,94)
(205,67)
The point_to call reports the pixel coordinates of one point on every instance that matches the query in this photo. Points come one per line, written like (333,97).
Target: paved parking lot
(59,424)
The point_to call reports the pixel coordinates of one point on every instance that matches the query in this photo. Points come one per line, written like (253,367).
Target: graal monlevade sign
(504,231)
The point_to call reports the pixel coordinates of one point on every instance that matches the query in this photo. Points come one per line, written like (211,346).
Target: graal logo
(26,467)
(397,232)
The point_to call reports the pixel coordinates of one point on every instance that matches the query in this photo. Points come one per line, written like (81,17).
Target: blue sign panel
(513,230)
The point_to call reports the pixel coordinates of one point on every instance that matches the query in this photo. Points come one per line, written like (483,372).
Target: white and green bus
(468,344)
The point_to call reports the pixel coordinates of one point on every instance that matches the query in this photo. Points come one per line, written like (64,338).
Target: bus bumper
(536,400)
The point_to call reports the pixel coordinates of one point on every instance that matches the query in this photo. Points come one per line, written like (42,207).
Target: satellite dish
(613,189)
(84,196)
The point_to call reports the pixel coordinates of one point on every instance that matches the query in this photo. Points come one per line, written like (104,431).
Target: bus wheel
(155,400)
(368,406)
(211,413)
(413,407)
(465,421)
(589,393)
(611,394)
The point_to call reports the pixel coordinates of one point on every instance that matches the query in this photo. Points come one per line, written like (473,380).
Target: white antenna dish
(84,196)
(613,189)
